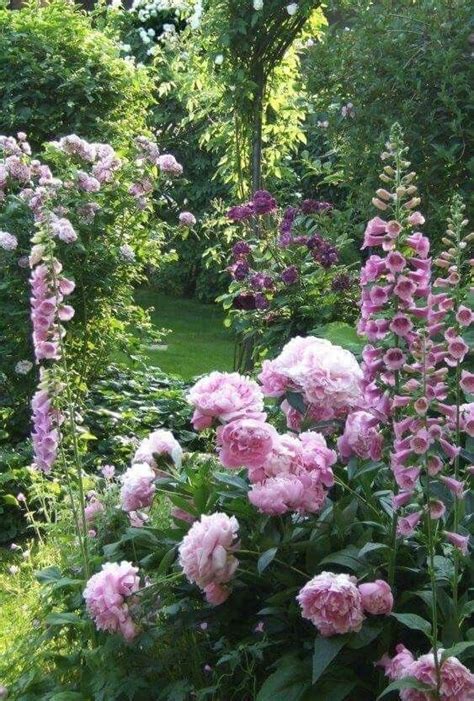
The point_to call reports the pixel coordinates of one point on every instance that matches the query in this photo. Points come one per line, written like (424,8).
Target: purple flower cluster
(262,203)
(323,251)
(45,434)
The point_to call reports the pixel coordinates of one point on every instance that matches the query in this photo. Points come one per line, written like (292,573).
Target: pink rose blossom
(377,597)
(245,443)
(138,487)
(224,397)
(206,553)
(332,603)
(105,596)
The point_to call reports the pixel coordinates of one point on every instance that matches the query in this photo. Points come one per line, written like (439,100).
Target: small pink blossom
(464,316)
(436,509)
(376,597)
(158,443)
(459,541)
(407,524)
(395,667)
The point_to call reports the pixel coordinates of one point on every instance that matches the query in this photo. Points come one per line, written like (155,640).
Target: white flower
(257,5)
(219,60)
(8,241)
(23,367)
(127,253)
(151,32)
(309,43)
(169,28)
(292,8)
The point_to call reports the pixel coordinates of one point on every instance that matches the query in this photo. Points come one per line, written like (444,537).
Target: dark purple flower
(326,255)
(263,202)
(288,218)
(241,248)
(284,240)
(241,212)
(341,282)
(239,270)
(315,206)
(261,302)
(290,275)
(244,301)
(314,242)
(299,241)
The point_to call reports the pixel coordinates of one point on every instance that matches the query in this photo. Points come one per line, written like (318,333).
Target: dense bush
(59,76)
(385,62)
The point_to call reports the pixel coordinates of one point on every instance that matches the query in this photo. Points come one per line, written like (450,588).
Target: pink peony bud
(377,597)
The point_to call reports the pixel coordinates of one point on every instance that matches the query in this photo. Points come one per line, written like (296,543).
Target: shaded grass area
(198,342)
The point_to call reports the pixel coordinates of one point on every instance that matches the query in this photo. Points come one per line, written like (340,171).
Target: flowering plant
(343,535)
(288,273)
(98,199)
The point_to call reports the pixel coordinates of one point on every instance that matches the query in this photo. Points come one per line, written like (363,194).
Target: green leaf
(166,561)
(48,574)
(405,683)
(413,621)
(295,400)
(10,500)
(457,650)
(325,650)
(288,683)
(67,696)
(265,559)
(63,619)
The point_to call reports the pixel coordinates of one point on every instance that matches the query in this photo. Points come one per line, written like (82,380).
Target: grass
(198,342)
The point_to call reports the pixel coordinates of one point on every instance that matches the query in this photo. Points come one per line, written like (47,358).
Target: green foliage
(59,76)
(393,61)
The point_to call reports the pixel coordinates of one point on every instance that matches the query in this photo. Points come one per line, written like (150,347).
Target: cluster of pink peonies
(106,595)
(336,605)
(206,555)
(456,681)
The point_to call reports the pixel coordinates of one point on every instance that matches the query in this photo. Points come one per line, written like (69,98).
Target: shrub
(385,62)
(59,76)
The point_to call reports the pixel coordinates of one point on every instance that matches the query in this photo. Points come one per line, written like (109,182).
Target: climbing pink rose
(377,597)
(159,442)
(332,603)
(137,487)
(245,443)
(225,396)
(361,437)
(206,552)
(105,596)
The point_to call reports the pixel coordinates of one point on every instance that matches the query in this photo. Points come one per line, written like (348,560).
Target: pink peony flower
(457,683)
(216,594)
(361,437)
(332,603)
(93,509)
(138,487)
(377,597)
(206,553)
(225,396)
(158,443)
(245,443)
(278,495)
(318,458)
(105,596)
(395,667)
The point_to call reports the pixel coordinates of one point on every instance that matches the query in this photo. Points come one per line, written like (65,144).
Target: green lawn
(198,342)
